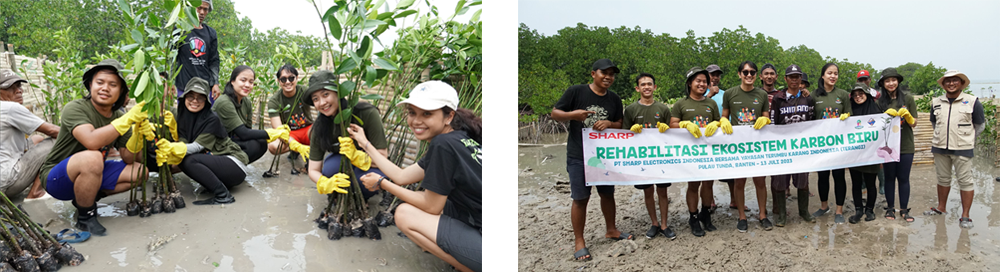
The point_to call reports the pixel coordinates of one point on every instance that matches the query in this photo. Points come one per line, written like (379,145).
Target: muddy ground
(269,228)
(930,243)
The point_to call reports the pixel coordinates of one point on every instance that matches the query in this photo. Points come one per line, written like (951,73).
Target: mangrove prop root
(372,230)
(47,262)
(68,255)
(25,263)
(6,267)
(132,208)
(168,205)
(334,231)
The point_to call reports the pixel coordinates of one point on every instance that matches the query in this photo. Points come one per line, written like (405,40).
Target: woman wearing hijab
(831,102)
(897,103)
(205,152)
(862,103)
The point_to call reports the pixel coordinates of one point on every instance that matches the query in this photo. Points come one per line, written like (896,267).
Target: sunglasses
(286,79)
(749,72)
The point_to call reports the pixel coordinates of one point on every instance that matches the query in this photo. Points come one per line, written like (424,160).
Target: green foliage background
(547,65)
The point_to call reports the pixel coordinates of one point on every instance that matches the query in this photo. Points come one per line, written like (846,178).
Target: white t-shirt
(16,124)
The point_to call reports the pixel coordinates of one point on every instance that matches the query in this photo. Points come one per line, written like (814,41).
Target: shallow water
(269,228)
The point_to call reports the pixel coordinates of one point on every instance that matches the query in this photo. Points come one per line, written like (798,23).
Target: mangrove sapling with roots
(33,248)
(6,267)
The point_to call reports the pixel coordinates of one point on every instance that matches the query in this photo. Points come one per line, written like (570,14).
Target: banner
(622,157)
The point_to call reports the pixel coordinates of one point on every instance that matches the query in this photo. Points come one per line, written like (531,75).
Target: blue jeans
(331,166)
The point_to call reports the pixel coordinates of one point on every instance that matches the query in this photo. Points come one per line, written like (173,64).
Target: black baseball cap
(805,80)
(713,68)
(793,70)
(602,64)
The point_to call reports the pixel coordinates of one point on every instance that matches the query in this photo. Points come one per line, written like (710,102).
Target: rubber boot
(695,225)
(222,196)
(86,219)
(869,214)
(706,218)
(779,212)
(804,206)
(858,212)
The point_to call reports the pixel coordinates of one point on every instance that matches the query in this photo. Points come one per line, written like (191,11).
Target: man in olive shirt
(649,113)
(76,168)
(746,105)
(286,108)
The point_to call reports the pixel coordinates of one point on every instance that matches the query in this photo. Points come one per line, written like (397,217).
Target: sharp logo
(611,135)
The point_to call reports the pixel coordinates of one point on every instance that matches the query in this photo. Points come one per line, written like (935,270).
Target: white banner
(621,157)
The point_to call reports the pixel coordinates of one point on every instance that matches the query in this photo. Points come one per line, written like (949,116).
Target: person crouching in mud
(325,136)
(446,218)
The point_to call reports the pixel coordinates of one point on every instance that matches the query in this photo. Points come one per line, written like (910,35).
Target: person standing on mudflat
(958,120)
(198,56)
(693,113)
(862,177)
(649,113)
(789,107)
(715,93)
(898,103)
(746,105)
(831,102)
(594,106)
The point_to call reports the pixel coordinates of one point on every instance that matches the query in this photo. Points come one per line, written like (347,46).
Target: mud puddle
(269,228)
(930,243)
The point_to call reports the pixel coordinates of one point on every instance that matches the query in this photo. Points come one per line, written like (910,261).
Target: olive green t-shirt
(745,107)
(232,116)
(647,116)
(831,105)
(75,113)
(282,106)
(374,131)
(220,146)
(698,112)
(905,139)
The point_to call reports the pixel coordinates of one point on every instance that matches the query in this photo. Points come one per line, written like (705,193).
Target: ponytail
(466,120)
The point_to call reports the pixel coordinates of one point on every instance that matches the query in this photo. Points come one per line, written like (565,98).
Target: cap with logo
(432,95)
(863,74)
(197,85)
(320,80)
(793,70)
(602,64)
(9,78)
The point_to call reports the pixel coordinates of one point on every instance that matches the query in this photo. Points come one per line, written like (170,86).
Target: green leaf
(335,29)
(371,23)
(156,75)
(342,115)
(348,65)
(194,3)
(192,16)
(475,16)
(143,81)
(139,60)
(366,47)
(381,73)
(215,264)
(370,76)
(129,47)
(136,36)
(173,15)
(403,4)
(360,122)
(385,64)
(330,12)
(125,7)
(372,97)
(404,14)
(272,110)
(346,88)
(383,16)
(459,7)
(462,11)
(378,4)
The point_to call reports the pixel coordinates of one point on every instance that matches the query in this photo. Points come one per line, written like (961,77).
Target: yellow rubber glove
(285,136)
(170,152)
(139,130)
(844,116)
(273,134)
(761,122)
(326,185)
(135,115)
(891,112)
(711,127)
(168,119)
(691,127)
(637,128)
(905,113)
(298,147)
(726,126)
(358,157)
(662,126)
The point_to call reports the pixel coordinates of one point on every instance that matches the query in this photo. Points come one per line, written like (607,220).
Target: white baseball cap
(432,95)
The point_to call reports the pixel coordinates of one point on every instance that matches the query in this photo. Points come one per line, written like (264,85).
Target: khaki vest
(953,129)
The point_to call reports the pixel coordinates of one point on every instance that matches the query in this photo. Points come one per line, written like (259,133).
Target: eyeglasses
(286,79)
(749,72)
(193,98)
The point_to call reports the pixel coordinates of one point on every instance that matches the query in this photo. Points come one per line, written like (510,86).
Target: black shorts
(727,180)
(461,241)
(578,182)
(658,185)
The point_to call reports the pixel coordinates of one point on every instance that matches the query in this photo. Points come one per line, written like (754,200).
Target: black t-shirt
(580,97)
(198,56)
(453,167)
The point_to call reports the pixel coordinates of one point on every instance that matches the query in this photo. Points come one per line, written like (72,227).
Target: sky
(300,15)
(962,35)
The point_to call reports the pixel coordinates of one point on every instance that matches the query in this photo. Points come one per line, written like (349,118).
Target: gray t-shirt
(16,124)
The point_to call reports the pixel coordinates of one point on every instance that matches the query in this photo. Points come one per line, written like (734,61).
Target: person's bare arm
(95,139)
(276,122)
(578,115)
(401,176)
(315,170)
(428,201)
(128,157)
(725,114)
(675,122)
(48,129)
(384,152)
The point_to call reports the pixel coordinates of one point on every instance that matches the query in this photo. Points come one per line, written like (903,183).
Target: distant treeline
(549,64)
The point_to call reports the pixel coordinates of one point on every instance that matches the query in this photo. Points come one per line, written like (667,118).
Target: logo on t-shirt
(756,101)
(746,115)
(198,47)
(837,101)
(599,114)
(701,121)
(477,151)
(708,109)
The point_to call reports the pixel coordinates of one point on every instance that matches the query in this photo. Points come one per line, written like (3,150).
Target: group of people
(212,141)
(957,118)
